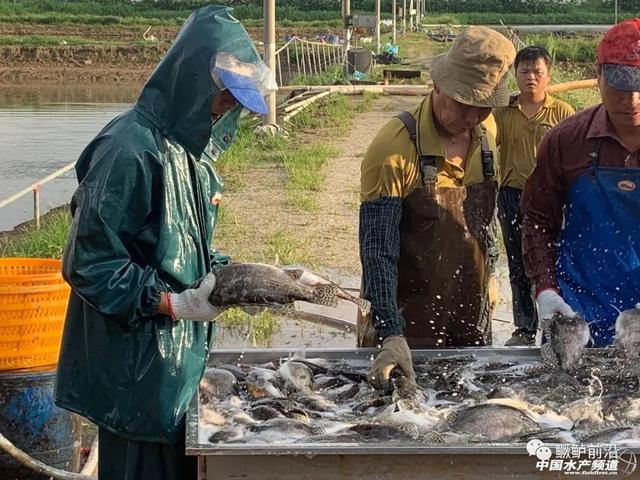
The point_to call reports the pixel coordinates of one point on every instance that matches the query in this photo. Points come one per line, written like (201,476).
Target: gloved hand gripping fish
(258,284)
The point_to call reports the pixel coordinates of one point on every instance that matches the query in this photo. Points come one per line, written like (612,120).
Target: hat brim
(243,90)
(622,77)
(463,92)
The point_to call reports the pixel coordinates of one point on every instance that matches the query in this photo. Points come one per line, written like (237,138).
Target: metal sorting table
(380,461)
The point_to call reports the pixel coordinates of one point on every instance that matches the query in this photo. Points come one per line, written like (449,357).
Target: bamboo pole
(295,46)
(346,18)
(31,187)
(303,103)
(378,26)
(289,64)
(318,57)
(347,89)
(393,10)
(421,89)
(270,54)
(279,68)
(36,206)
(572,85)
(404,18)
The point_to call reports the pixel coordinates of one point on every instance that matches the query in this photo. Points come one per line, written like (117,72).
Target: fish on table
(454,400)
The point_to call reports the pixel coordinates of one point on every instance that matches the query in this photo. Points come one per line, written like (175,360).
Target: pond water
(44,128)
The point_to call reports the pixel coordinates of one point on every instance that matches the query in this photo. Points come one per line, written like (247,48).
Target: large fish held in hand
(258,284)
(567,337)
(628,332)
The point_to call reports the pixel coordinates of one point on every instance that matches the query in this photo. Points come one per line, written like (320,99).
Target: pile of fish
(572,395)
(457,400)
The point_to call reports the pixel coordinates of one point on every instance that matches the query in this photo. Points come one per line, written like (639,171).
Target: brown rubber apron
(442,268)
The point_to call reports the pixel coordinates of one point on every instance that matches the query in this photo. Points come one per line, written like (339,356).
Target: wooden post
(346,40)
(378,26)
(404,18)
(270,54)
(393,9)
(411,15)
(36,205)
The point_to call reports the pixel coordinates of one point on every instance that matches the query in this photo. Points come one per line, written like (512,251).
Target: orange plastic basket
(33,303)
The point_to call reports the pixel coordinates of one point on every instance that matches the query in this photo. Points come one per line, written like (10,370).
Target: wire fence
(302,57)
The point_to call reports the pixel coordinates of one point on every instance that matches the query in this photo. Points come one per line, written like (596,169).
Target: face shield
(249,83)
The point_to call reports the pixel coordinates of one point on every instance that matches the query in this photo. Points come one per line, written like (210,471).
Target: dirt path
(256,217)
(334,232)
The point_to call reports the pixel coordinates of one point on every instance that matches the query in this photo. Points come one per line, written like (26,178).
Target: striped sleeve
(379,251)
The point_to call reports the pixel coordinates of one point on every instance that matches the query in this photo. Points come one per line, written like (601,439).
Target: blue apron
(598,263)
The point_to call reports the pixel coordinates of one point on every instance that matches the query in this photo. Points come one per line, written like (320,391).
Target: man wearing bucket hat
(139,256)
(427,214)
(581,233)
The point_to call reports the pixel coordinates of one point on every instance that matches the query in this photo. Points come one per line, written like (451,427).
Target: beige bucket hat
(474,71)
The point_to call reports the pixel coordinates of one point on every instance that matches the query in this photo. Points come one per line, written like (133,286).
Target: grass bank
(301,160)
(48,242)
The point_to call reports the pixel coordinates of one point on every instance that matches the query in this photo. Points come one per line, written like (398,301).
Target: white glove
(193,303)
(550,303)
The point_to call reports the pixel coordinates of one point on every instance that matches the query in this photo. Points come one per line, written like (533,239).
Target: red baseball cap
(619,56)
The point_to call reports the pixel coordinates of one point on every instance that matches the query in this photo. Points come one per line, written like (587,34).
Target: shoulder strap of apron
(428,162)
(428,167)
(487,156)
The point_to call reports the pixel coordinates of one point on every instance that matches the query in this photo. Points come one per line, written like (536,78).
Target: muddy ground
(126,57)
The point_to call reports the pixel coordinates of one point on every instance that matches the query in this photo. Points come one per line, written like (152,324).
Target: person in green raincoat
(139,255)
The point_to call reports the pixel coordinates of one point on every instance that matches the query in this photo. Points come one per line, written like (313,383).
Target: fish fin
(293,272)
(325,295)
(410,429)
(318,431)
(451,417)
(432,437)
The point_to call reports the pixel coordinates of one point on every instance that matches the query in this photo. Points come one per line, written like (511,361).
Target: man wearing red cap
(581,234)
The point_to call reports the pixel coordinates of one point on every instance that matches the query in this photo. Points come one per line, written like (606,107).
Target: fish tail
(549,358)
(364,306)
(433,437)
(318,431)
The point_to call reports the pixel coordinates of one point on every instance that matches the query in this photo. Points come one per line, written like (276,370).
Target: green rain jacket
(143,221)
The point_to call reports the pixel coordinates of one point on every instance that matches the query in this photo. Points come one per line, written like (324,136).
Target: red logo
(626,185)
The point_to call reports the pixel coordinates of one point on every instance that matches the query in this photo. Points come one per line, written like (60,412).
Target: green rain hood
(143,220)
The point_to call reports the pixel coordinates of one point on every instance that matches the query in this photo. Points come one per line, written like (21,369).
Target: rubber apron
(443,264)
(598,266)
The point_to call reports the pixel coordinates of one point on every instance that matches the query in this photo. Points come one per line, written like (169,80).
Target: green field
(320,13)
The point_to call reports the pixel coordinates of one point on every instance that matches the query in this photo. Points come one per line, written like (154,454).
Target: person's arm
(111,206)
(379,237)
(542,203)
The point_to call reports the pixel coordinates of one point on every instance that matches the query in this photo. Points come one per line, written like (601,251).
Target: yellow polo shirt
(519,137)
(391,169)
